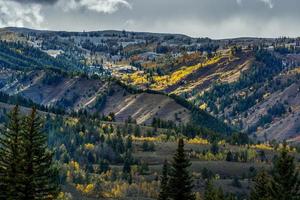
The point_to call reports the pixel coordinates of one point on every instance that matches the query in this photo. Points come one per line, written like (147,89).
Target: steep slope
(51,88)
(75,93)
(143,107)
(255,91)
(261,99)
(102,97)
(277,116)
(226,69)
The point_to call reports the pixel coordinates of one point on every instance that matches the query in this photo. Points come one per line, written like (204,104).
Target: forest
(51,156)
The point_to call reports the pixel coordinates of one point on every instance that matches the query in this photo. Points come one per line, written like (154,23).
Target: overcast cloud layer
(198,18)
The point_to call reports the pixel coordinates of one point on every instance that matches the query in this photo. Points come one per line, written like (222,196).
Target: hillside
(75,93)
(144,107)
(248,83)
(53,82)
(114,105)
(257,92)
(99,97)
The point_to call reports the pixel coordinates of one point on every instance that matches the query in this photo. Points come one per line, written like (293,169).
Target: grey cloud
(199,18)
(101,6)
(218,18)
(32,13)
(36,1)
(16,14)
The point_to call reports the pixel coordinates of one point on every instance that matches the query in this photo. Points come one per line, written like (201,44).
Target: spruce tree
(261,187)
(285,178)
(164,184)
(211,193)
(39,179)
(10,157)
(181,183)
(127,167)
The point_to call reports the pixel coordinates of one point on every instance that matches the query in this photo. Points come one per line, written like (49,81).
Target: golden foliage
(203,106)
(208,156)
(89,146)
(161,82)
(143,139)
(121,189)
(81,134)
(70,121)
(262,146)
(198,140)
(135,78)
(222,142)
(85,189)
(64,196)
(74,165)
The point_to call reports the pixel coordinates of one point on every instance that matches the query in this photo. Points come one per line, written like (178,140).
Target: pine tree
(261,187)
(181,183)
(211,193)
(10,158)
(164,184)
(39,174)
(127,167)
(229,156)
(285,178)
(127,162)
(214,148)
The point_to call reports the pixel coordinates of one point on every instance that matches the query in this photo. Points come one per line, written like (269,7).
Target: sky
(197,18)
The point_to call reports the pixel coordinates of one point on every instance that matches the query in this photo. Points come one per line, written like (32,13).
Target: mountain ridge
(222,77)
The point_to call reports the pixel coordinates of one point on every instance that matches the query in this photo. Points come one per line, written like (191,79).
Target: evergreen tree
(181,183)
(262,155)
(211,193)
(214,148)
(10,157)
(164,184)
(129,143)
(127,162)
(285,178)
(137,131)
(206,173)
(39,179)
(261,187)
(127,167)
(229,156)
(103,166)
